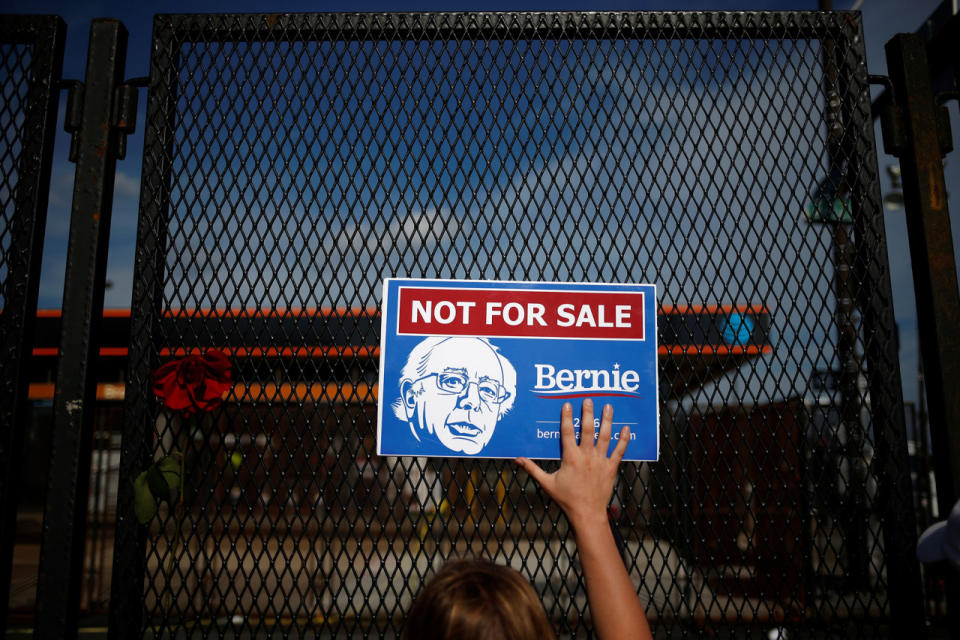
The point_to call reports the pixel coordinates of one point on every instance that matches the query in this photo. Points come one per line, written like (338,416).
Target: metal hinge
(123,114)
(944,132)
(74,116)
(894,129)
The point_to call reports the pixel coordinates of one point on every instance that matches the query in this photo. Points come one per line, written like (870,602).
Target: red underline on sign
(589,395)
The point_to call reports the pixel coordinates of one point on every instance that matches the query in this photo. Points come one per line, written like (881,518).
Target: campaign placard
(473,368)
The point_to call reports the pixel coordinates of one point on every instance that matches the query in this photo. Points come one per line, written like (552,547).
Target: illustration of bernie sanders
(455,389)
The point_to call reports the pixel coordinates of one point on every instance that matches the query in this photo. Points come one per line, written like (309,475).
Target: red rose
(193,383)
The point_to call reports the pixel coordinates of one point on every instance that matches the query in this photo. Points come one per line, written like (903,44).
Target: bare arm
(582,487)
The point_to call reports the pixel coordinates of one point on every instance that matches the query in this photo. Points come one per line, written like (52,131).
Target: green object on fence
(823,210)
(830,201)
(144,504)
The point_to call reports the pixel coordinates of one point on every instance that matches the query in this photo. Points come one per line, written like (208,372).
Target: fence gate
(31,57)
(292,162)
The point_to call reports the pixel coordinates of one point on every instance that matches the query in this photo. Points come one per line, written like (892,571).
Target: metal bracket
(944,132)
(893,129)
(123,114)
(893,126)
(74,116)
(947,96)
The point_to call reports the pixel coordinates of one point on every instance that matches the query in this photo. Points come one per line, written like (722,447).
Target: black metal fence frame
(921,137)
(45,36)
(96,152)
(126,601)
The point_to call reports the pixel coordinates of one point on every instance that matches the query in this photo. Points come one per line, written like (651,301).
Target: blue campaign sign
(481,368)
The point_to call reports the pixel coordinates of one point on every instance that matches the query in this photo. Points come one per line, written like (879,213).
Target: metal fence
(291,162)
(31,58)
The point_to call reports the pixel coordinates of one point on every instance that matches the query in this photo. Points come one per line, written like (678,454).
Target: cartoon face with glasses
(456,389)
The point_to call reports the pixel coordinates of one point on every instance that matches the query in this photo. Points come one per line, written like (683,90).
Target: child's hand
(583,486)
(584,483)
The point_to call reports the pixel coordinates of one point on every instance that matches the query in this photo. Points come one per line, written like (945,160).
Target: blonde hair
(477,600)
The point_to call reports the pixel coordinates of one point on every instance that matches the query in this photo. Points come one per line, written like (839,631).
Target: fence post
(867,283)
(934,266)
(98,144)
(18,291)
(129,560)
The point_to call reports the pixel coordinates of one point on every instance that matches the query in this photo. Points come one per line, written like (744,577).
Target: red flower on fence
(194,383)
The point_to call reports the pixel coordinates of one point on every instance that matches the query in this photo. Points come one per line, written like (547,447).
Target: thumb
(534,470)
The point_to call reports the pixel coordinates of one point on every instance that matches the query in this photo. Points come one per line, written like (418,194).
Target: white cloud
(126,186)
(61,184)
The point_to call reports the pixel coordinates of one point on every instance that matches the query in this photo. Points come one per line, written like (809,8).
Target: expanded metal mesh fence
(293,162)
(30,60)
(31,56)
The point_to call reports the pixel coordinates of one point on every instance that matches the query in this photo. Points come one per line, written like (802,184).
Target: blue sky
(882,19)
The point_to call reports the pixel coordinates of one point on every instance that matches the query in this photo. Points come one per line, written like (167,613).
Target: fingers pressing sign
(584,483)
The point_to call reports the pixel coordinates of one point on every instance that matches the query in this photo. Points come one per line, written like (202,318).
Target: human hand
(582,486)
(584,483)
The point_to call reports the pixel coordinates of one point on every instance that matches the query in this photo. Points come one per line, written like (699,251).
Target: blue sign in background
(451,377)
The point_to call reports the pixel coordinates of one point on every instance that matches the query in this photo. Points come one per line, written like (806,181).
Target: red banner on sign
(521,313)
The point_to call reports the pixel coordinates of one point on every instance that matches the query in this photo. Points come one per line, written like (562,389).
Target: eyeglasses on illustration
(455,382)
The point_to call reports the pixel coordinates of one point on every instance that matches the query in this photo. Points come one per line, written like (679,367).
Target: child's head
(477,600)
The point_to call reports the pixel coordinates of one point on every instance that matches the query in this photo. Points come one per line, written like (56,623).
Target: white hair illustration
(418,366)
